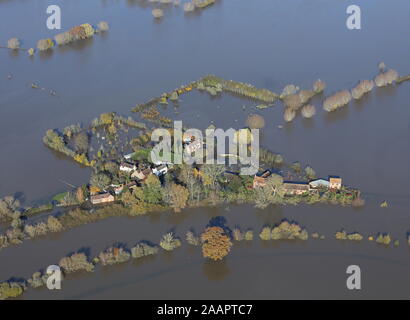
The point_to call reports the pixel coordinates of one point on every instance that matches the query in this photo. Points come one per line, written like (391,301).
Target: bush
(237,234)
(266,233)
(36,280)
(53,224)
(63,38)
(306,95)
(103,26)
(169,243)
(255,121)
(383,238)
(290,89)
(189,7)
(114,255)
(386,78)
(288,231)
(11,289)
(143,249)
(157,13)
(248,235)
(192,239)
(76,262)
(289,114)
(308,111)
(319,86)
(293,101)
(45,44)
(336,101)
(13,43)
(362,87)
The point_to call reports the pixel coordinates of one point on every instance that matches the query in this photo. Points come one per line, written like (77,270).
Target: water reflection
(335,116)
(216,270)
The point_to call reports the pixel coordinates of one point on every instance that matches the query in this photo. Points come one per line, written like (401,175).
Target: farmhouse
(102,198)
(335,183)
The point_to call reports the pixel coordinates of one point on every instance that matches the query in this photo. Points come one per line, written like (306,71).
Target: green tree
(212,172)
(176,196)
(100,180)
(81,142)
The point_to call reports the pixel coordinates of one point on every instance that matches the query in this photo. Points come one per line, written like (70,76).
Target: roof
(127,165)
(101,196)
(319,182)
(259,179)
(293,185)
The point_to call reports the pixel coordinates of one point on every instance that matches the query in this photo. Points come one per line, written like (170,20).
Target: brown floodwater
(270,44)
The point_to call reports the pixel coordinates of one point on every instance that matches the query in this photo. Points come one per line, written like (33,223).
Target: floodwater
(270,44)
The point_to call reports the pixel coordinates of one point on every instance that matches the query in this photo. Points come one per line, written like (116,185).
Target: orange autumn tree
(216,244)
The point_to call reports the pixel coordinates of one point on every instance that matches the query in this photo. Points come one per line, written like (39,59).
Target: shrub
(289,114)
(216,244)
(36,280)
(290,89)
(237,234)
(341,235)
(103,26)
(386,78)
(293,101)
(143,249)
(306,95)
(189,7)
(192,239)
(11,289)
(336,101)
(248,235)
(288,231)
(88,30)
(169,243)
(319,86)
(383,238)
(310,173)
(255,121)
(114,255)
(77,33)
(157,13)
(53,224)
(45,44)
(308,111)
(266,233)
(13,43)
(362,88)
(76,262)
(63,38)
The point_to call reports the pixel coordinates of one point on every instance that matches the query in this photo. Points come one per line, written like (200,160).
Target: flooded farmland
(270,45)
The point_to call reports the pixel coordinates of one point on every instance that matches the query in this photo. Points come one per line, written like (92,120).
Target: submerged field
(270,45)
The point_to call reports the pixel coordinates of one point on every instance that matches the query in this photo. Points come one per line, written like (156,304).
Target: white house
(159,171)
(127,167)
(128,156)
